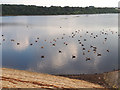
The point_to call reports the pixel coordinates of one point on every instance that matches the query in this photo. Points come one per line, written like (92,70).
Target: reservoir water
(63,44)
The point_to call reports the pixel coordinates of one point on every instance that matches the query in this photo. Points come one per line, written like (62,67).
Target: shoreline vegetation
(14,10)
(12,78)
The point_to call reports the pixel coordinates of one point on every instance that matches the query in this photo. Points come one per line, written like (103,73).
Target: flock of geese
(80,42)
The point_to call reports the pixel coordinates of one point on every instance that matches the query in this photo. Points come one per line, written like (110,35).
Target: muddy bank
(108,79)
(12,78)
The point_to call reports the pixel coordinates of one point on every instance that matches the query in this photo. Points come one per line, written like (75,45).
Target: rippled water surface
(68,44)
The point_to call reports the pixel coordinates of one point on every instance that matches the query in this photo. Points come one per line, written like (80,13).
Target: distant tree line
(8,9)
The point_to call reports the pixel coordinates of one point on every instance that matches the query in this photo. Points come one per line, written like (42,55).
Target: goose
(83,53)
(79,42)
(53,44)
(18,43)
(91,33)
(105,38)
(12,40)
(38,38)
(83,48)
(3,39)
(42,47)
(84,39)
(87,58)
(91,46)
(73,57)
(82,45)
(88,50)
(42,56)
(31,44)
(107,50)
(98,54)
(60,51)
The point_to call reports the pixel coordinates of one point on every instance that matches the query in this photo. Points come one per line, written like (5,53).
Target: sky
(80,3)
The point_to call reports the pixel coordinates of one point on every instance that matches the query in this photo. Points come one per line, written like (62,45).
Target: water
(46,44)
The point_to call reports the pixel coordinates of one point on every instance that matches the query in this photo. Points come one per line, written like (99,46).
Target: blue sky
(81,3)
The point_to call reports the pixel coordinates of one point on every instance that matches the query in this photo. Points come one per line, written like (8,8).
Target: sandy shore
(12,78)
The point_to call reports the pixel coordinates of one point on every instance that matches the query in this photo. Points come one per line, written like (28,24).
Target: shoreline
(24,79)
(107,79)
(12,78)
(64,14)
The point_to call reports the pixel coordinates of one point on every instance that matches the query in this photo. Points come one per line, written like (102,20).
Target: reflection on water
(67,44)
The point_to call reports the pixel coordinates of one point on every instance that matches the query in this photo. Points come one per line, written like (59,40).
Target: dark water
(53,44)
